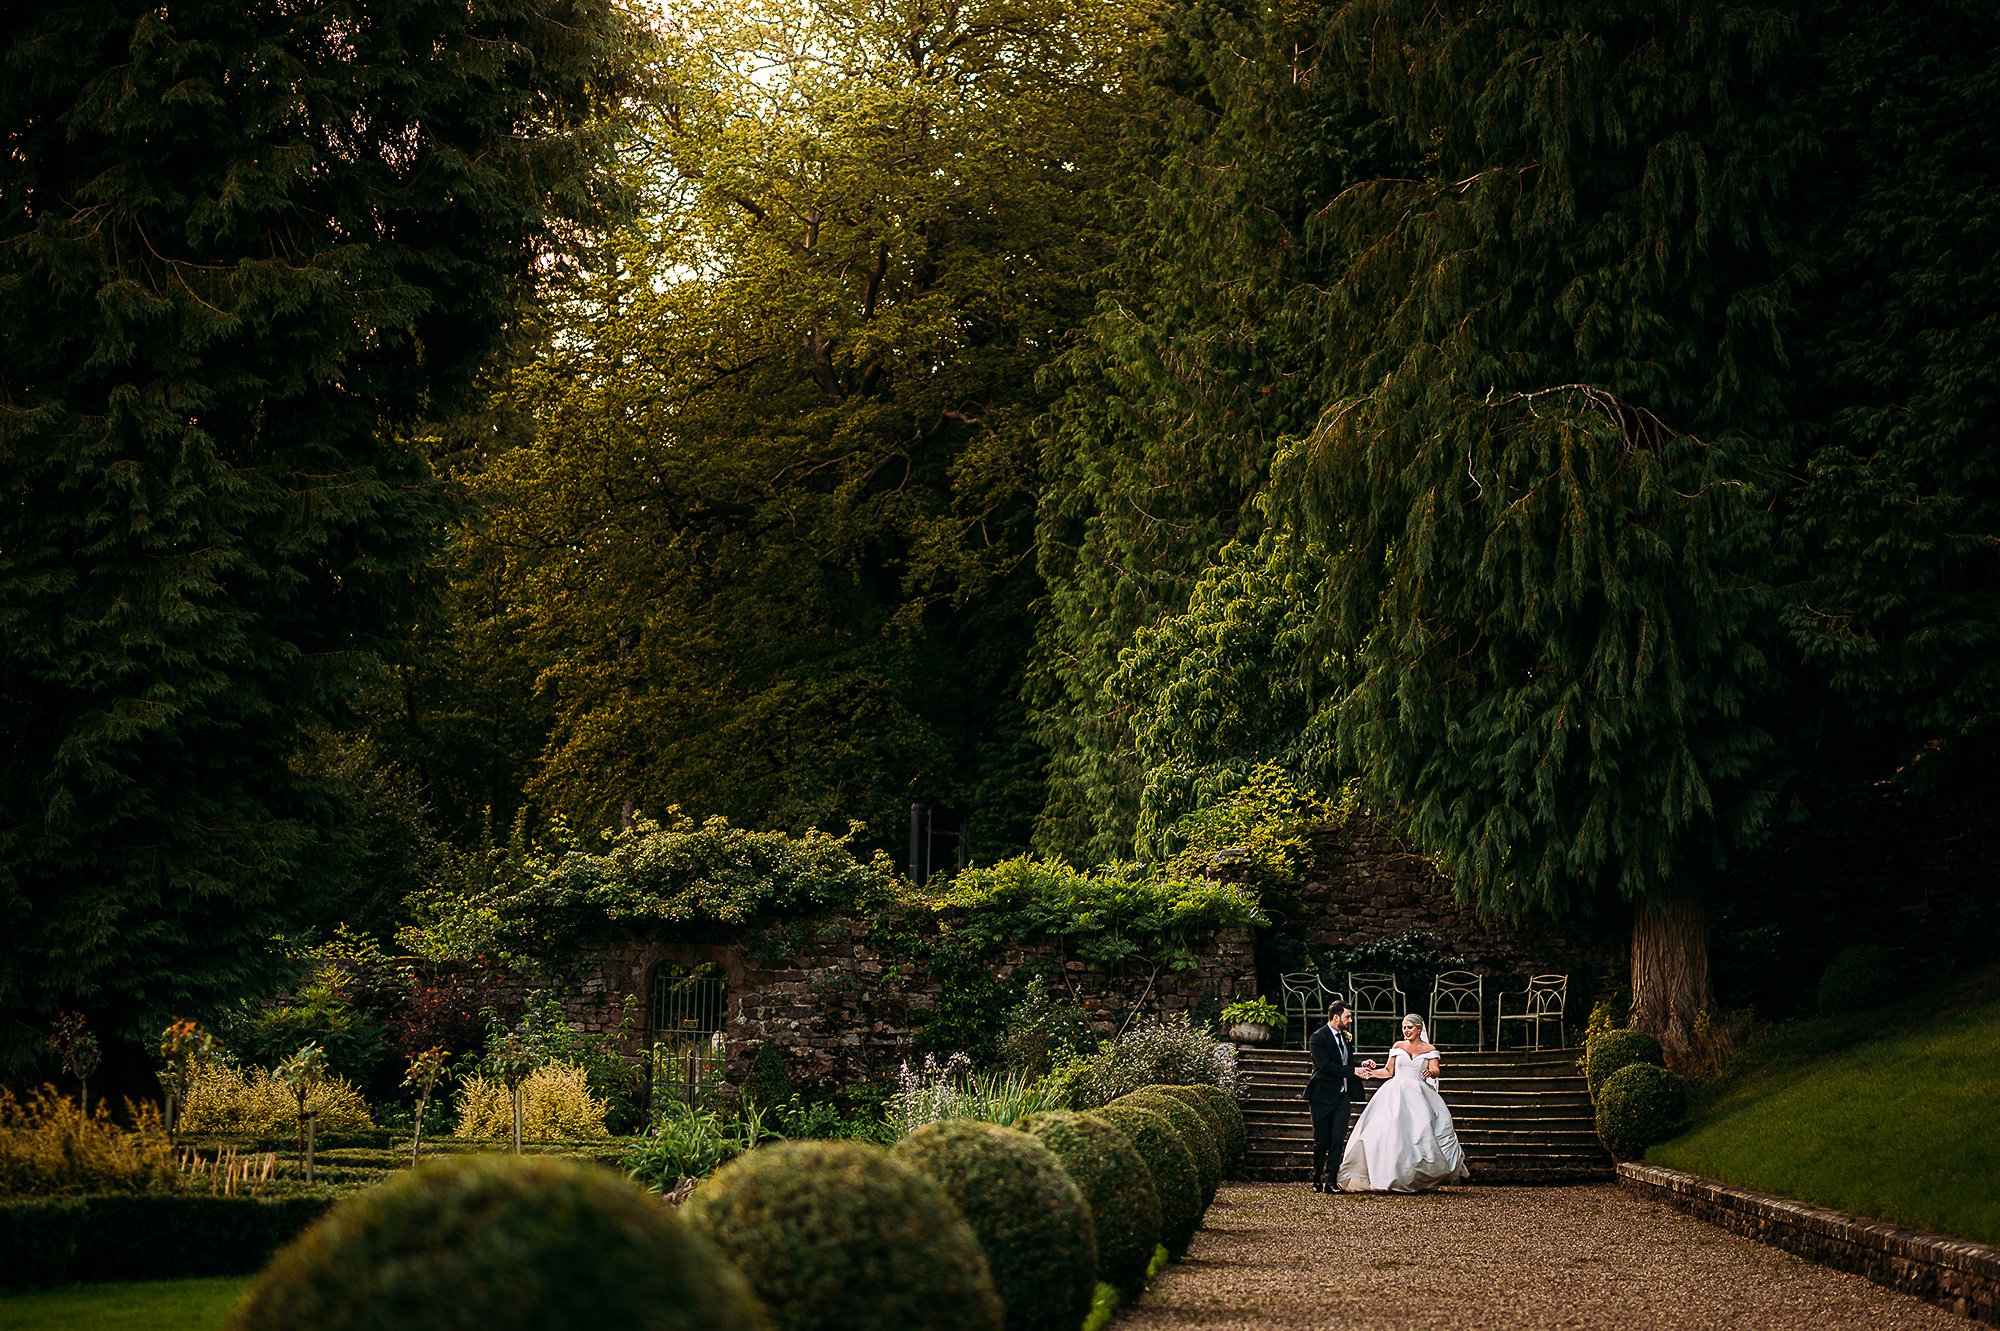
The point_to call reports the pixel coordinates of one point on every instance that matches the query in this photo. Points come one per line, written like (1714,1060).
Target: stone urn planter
(1250,1032)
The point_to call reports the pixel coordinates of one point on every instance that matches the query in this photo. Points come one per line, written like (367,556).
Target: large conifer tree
(1209,345)
(244,250)
(1548,488)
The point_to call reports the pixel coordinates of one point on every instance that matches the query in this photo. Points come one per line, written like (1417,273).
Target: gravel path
(1476,1259)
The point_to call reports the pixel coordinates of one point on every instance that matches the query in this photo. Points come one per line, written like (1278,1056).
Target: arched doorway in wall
(686,1025)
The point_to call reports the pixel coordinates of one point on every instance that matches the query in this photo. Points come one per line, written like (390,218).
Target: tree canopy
(768,548)
(244,254)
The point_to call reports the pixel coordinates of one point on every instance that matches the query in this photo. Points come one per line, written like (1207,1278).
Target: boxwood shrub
(1112,1176)
(1224,1116)
(1857,979)
(492,1243)
(36,1241)
(1195,1132)
(1638,1105)
(139,1236)
(1612,1050)
(838,1235)
(1170,1163)
(1030,1218)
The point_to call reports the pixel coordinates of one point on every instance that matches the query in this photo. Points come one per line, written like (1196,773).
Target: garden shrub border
(74,1240)
(1175,1175)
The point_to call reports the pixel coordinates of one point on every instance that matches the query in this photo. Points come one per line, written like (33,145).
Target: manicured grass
(1890,1115)
(140,1305)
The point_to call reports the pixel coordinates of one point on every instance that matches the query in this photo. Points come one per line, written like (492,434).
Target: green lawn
(1893,1115)
(140,1305)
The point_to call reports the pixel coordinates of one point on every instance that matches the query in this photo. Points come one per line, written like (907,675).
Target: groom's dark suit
(1331,1092)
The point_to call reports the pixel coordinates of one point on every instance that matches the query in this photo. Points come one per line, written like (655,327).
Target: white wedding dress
(1404,1141)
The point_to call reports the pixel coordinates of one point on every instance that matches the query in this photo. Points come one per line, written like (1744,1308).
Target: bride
(1404,1140)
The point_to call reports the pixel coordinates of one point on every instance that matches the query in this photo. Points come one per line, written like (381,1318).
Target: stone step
(1570,1058)
(1522,1116)
(1457,1097)
(1493,1152)
(1469,1139)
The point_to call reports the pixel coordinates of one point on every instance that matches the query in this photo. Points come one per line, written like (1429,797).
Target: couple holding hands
(1404,1140)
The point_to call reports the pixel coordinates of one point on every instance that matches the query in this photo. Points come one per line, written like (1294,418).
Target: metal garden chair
(1459,996)
(1545,999)
(1307,995)
(1376,997)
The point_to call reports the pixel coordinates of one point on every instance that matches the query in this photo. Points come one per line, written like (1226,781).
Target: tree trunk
(1670,980)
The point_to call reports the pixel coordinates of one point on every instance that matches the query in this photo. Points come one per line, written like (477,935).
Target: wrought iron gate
(685,1030)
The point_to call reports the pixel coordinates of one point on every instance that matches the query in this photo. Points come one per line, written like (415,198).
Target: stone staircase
(1523,1116)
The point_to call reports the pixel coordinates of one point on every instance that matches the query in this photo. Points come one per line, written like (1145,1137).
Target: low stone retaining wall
(1953,1273)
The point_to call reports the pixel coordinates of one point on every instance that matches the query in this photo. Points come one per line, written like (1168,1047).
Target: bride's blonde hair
(1412,1019)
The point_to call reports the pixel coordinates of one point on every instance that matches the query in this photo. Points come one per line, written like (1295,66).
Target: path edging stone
(1956,1274)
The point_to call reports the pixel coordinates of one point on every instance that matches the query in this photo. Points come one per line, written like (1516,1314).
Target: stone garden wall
(1958,1274)
(844,1009)
(1364,883)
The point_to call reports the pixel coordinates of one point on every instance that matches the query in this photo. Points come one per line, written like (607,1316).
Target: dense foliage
(1029,1217)
(837,1235)
(1224,1115)
(1115,1183)
(1196,1132)
(759,538)
(1140,432)
(1113,917)
(541,901)
(505,1243)
(1637,1106)
(1610,1052)
(50,1146)
(1171,1165)
(1857,979)
(1167,1051)
(246,253)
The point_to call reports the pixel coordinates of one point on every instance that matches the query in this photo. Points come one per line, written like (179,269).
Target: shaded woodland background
(431,431)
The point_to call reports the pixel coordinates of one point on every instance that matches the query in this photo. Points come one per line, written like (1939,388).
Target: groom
(1331,1092)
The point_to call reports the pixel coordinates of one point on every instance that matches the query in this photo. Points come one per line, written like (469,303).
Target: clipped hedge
(135,1236)
(1224,1117)
(1612,1050)
(1112,1176)
(1031,1220)
(1195,1132)
(37,1239)
(1638,1105)
(1857,979)
(494,1243)
(1170,1163)
(836,1235)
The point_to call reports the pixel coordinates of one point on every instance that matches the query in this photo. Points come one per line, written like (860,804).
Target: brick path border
(1952,1273)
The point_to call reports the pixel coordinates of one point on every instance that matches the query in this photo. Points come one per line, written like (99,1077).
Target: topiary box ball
(1637,1106)
(838,1235)
(1194,1129)
(491,1243)
(1029,1216)
(1169,1162)
(1117,1186)
(1613,1050)
(1222,1124)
